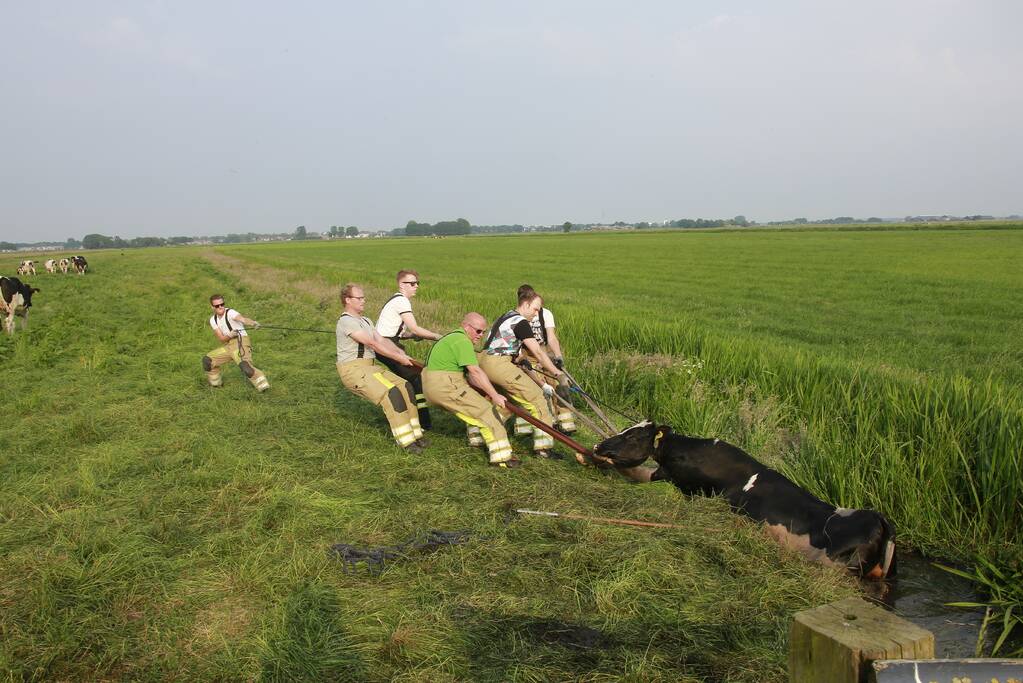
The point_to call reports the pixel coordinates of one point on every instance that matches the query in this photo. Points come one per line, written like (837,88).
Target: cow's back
(708,466)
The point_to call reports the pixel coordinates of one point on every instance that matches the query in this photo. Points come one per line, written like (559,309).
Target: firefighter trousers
(413,377)
(237,350)
(451,391)
(503,373)
(391,393)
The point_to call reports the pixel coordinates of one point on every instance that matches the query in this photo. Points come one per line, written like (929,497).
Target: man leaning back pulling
(396,322)
(229,326)
(358,344)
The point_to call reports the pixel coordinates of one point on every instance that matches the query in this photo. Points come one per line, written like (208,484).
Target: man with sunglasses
(451,362)
(229,326)
(396,322)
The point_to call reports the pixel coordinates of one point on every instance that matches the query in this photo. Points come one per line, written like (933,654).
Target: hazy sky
(188,118)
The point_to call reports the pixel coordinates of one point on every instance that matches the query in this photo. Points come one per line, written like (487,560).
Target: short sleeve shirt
(452,353)
(230,317)
(390,324)
(347,348)
(548,322)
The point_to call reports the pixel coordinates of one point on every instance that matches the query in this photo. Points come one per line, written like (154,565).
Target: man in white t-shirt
(396,322)
(229,327)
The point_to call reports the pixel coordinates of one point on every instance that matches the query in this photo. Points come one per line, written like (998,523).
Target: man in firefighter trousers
(451,362)
(358,344)
(229,326)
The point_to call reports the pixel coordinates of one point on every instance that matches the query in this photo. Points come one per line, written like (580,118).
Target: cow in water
(15,299)
(79,264)
(862,541)
(27,268)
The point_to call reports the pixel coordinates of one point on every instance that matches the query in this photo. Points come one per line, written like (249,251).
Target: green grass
(152,528)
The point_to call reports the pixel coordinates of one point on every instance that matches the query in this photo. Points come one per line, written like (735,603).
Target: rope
(293,329)
(375,559)
(578,389)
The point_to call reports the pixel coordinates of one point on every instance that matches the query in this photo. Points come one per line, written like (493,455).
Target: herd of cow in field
(75,264)
(16,296)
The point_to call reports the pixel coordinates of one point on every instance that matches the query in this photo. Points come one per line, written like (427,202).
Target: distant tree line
(98,241)
(459,226)
(838,220)
(708,222)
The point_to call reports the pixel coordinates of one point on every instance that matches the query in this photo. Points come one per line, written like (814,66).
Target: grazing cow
(27,268)
(15,299)
(862,541)
(79,264)
(51,266)
(64,264)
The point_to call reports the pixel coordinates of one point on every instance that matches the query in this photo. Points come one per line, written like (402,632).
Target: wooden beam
(838,642)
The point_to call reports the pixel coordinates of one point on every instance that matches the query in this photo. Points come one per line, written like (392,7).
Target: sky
(151,118)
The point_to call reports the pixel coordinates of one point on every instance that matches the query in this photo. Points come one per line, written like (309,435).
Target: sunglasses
(479,331)
(219,305)
(414,283)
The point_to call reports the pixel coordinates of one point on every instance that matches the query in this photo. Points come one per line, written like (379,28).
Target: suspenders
(543,329)
(362,348)
(401,323)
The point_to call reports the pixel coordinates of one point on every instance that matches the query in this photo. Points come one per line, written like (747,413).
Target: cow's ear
(36,289)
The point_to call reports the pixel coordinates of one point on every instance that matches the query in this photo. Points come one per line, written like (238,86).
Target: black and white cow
(64,264)
(862,541)
(27,268)
(79,264)
(51,265)
(15,299)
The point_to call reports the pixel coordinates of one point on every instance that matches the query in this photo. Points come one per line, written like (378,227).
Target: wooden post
(837,642)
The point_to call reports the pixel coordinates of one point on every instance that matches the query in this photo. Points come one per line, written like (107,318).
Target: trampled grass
(153,528)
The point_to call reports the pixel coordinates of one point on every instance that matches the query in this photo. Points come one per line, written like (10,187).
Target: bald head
(474,325)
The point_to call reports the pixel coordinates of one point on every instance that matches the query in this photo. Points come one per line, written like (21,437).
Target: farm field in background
(935,302)
(888,359)
(151,527)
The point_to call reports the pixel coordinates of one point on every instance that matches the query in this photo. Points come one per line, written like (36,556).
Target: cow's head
(863,541)
(26,293)
(632,446)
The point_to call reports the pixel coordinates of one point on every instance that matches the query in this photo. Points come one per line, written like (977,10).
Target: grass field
(153,528)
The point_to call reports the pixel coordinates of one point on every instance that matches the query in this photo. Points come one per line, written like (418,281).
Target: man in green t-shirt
(452,360)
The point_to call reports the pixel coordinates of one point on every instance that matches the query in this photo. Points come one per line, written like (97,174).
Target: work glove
(548,390)
(559,362)
(525,364)
(564,389)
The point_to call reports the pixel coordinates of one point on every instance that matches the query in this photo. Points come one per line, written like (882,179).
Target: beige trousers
(238,350)
(451,391)
(565,418)
(520,388)
(391,393)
